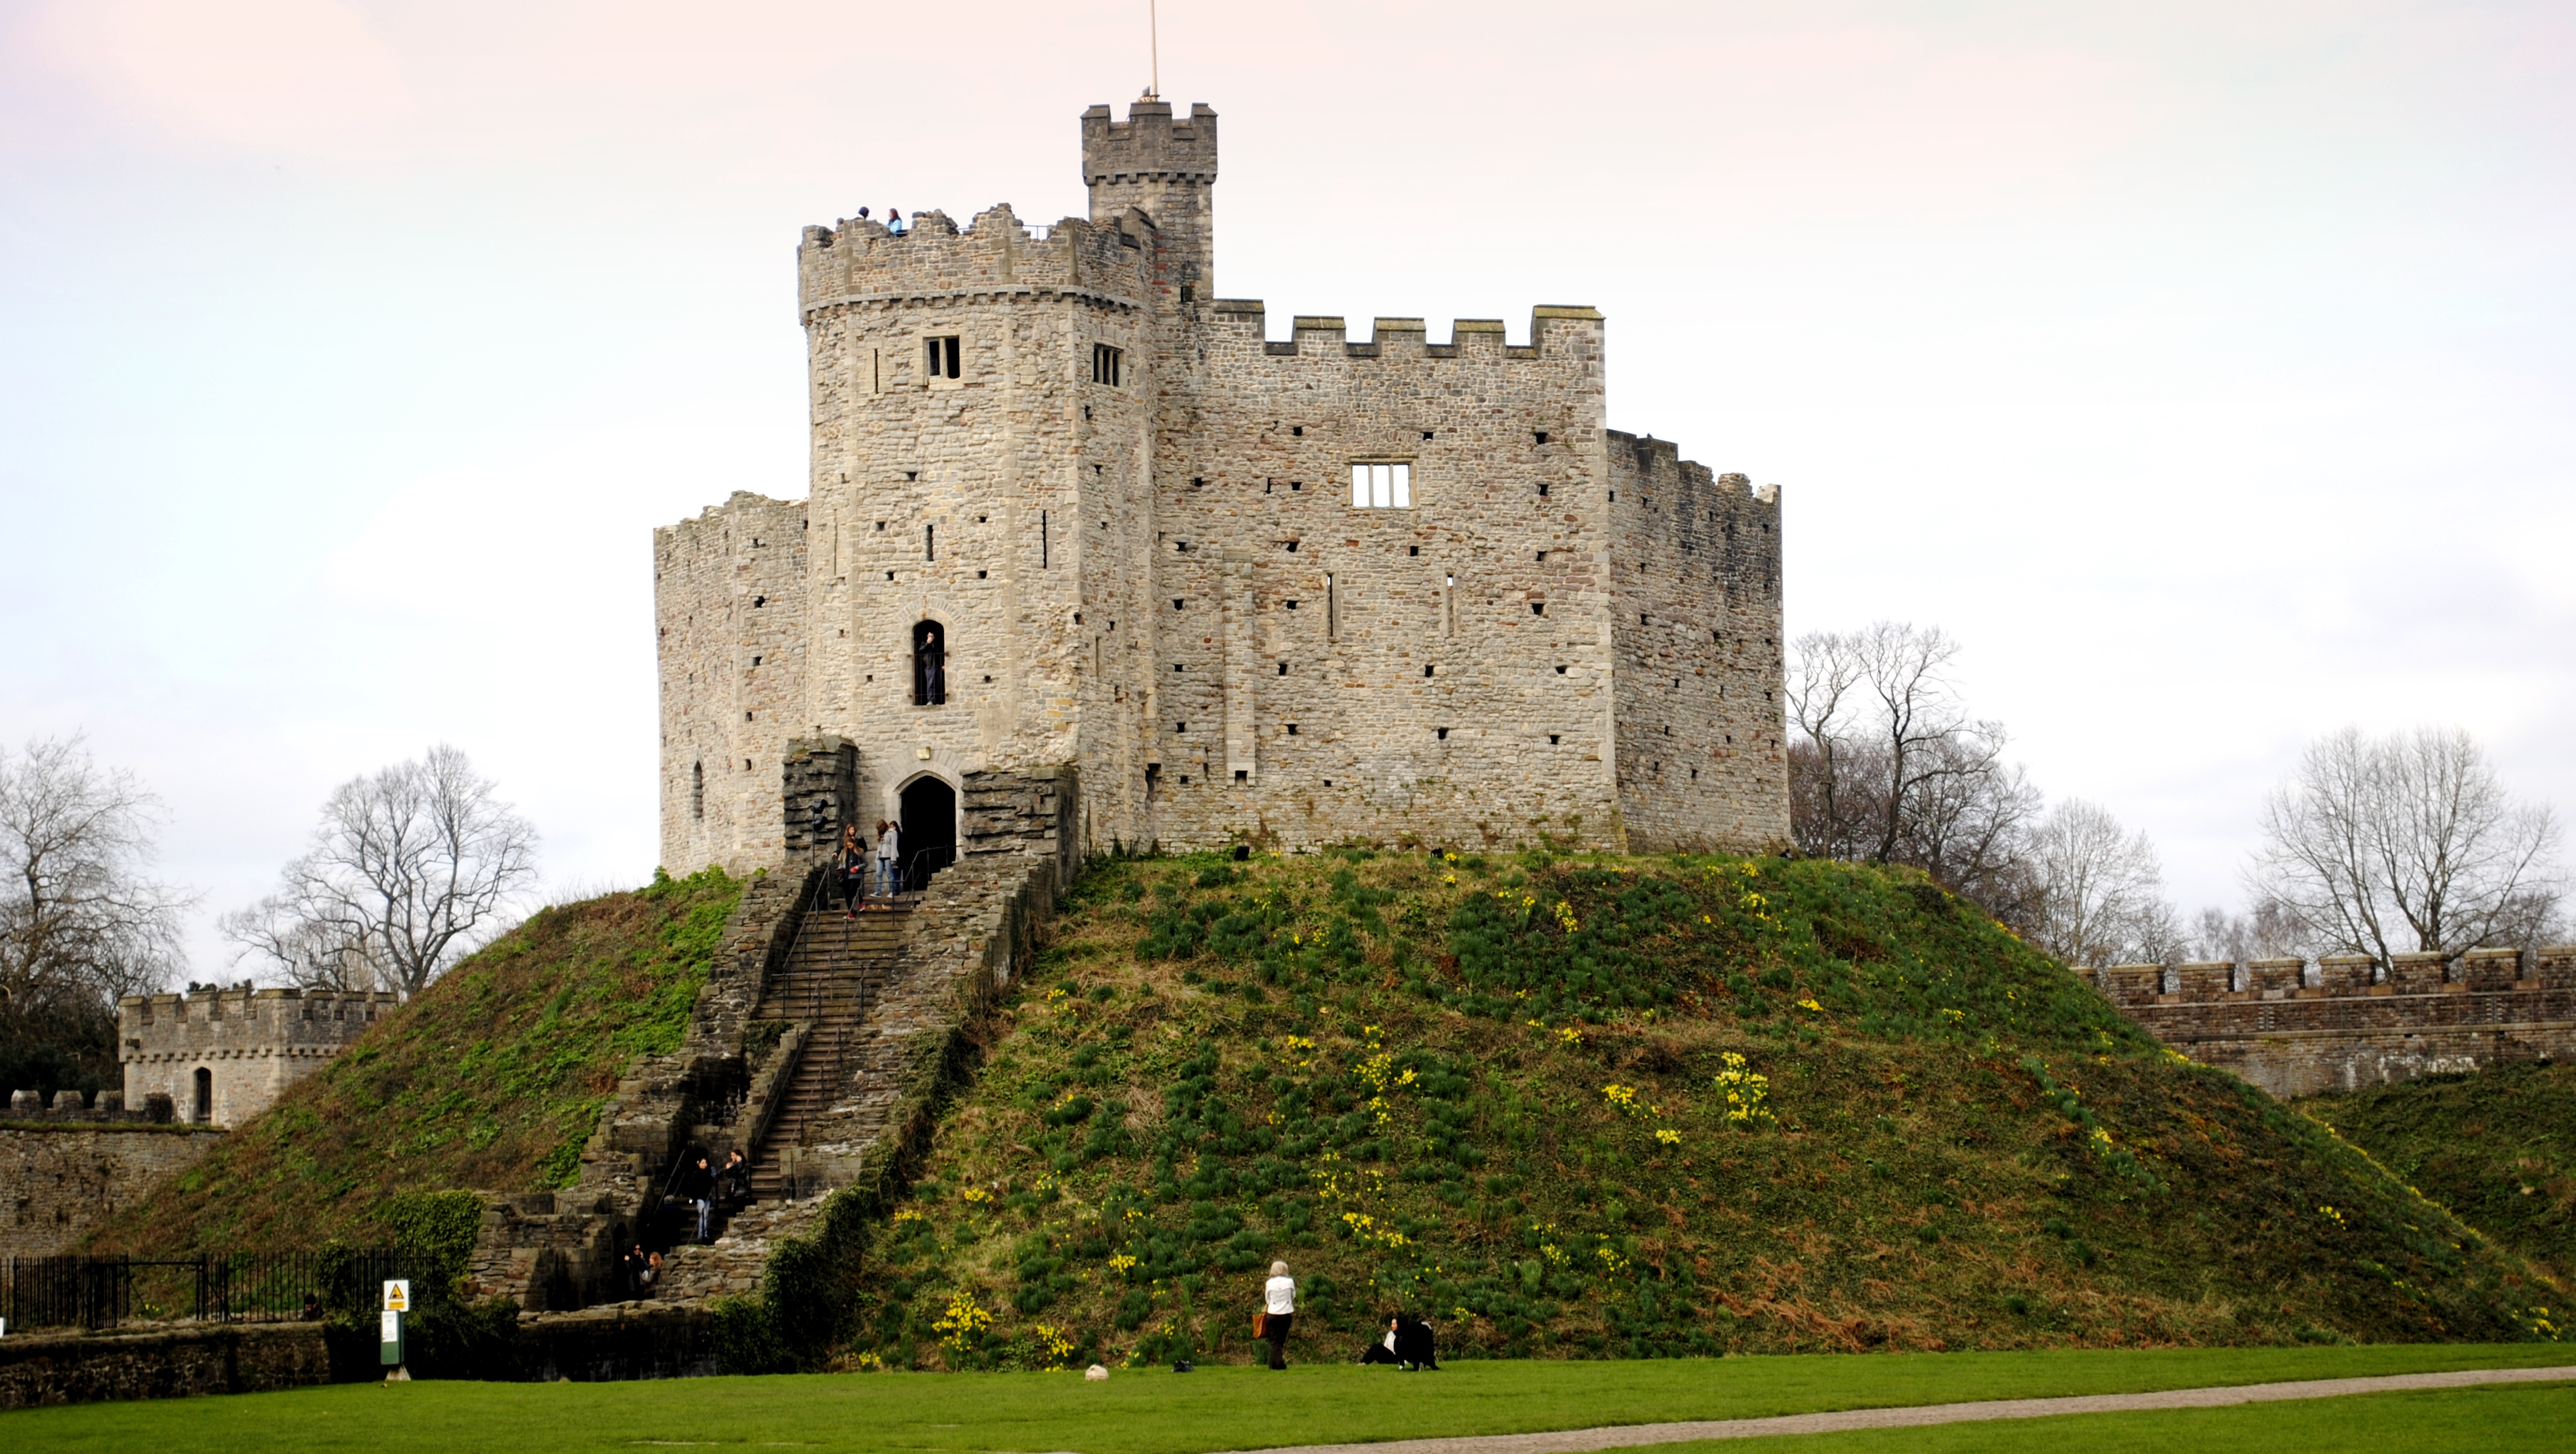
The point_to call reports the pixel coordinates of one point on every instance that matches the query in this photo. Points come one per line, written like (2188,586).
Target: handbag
(1261,1325)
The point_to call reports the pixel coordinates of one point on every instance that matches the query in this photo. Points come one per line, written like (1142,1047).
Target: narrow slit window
(1382,486)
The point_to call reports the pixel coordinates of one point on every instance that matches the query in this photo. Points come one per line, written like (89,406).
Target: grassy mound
(2498,1147)
(492,1079)
(1619,1107)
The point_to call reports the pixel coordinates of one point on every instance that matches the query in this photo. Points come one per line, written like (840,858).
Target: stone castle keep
(1074,516)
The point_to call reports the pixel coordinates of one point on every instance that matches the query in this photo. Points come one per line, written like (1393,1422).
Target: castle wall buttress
(1695,629)
(729,598)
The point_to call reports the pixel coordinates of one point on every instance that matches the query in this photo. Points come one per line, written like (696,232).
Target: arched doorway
(929,830)
(204,1109)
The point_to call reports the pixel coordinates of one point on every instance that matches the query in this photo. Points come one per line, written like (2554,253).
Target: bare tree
(2268,931)
(411,869)
(1824,675)
(2411,837)
(2100,898)
(1886,765)
(82,922)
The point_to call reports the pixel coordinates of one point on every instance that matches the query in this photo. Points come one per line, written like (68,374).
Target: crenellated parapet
(859,262)
(222,1055)
(2301,1027)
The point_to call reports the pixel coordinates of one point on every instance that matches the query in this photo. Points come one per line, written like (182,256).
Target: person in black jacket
(1414,1344)
(850,870)
(697,1186)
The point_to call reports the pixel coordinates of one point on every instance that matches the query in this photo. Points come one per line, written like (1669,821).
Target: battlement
(857,261)
(2296,1027)
(1149,143)
(222,1055)
(1325,335)
(2342,976)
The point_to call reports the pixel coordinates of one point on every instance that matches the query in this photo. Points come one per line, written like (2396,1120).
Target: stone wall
(74,1368)
(1129,513)
(1696,651)
(61,1177)
(252,1043)
(2296,1029)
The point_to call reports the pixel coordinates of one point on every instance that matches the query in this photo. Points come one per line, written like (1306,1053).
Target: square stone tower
(1070,516)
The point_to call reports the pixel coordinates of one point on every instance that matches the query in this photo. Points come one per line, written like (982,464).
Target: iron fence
(225,1287)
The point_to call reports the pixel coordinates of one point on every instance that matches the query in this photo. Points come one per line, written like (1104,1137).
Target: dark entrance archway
(929,830)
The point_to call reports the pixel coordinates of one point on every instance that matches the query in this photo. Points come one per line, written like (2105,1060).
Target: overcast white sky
(2206,367)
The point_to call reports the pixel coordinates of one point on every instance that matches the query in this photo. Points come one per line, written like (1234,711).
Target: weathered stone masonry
(250,1045)
(1130,514)
(2299,1030)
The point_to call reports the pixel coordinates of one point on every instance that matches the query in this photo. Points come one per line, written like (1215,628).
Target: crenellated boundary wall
(2299,1027)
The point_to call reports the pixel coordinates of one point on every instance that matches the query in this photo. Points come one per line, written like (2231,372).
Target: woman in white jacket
(1278,1310)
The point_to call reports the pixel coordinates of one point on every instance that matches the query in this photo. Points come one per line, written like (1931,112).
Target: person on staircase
(733,1183)
(850,870)
(886,860)
(697,1187)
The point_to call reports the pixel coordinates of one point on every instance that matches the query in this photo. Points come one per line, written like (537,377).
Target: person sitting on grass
(1407,1345)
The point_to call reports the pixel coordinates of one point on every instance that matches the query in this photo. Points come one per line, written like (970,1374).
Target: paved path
(1624,1436)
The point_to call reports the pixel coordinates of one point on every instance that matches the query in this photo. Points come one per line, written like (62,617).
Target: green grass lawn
(1158,1412)
(2451,1421)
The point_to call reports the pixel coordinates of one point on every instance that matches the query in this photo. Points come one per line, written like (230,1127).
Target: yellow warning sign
(398,1295)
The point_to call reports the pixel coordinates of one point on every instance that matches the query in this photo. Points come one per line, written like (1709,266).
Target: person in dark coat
(1414,1344)
(697,1187)
(1383,1350)
(850,870)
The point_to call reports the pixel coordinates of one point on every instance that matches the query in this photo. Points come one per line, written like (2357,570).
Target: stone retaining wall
(75,1368)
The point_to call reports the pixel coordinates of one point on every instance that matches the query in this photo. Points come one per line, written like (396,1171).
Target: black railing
(224,1287)
(921,863)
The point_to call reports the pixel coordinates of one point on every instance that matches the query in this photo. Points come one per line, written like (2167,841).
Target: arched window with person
(929,665)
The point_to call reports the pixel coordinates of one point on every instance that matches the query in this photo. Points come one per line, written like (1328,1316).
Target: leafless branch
(411,868)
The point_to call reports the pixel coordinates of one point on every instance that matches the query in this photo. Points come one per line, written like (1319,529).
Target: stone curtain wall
(728,604)
(1420,645)
(256,1043)
(2299,1031)
(1151,579)
(59,1179)
(1695,641)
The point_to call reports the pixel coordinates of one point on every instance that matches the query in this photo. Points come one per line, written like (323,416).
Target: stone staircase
(834,980)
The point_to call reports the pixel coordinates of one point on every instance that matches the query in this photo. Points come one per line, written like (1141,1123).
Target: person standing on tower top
(894,222)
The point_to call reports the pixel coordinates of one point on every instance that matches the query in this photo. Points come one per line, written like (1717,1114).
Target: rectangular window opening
(1105,364)
(1382,486)
(942,357)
